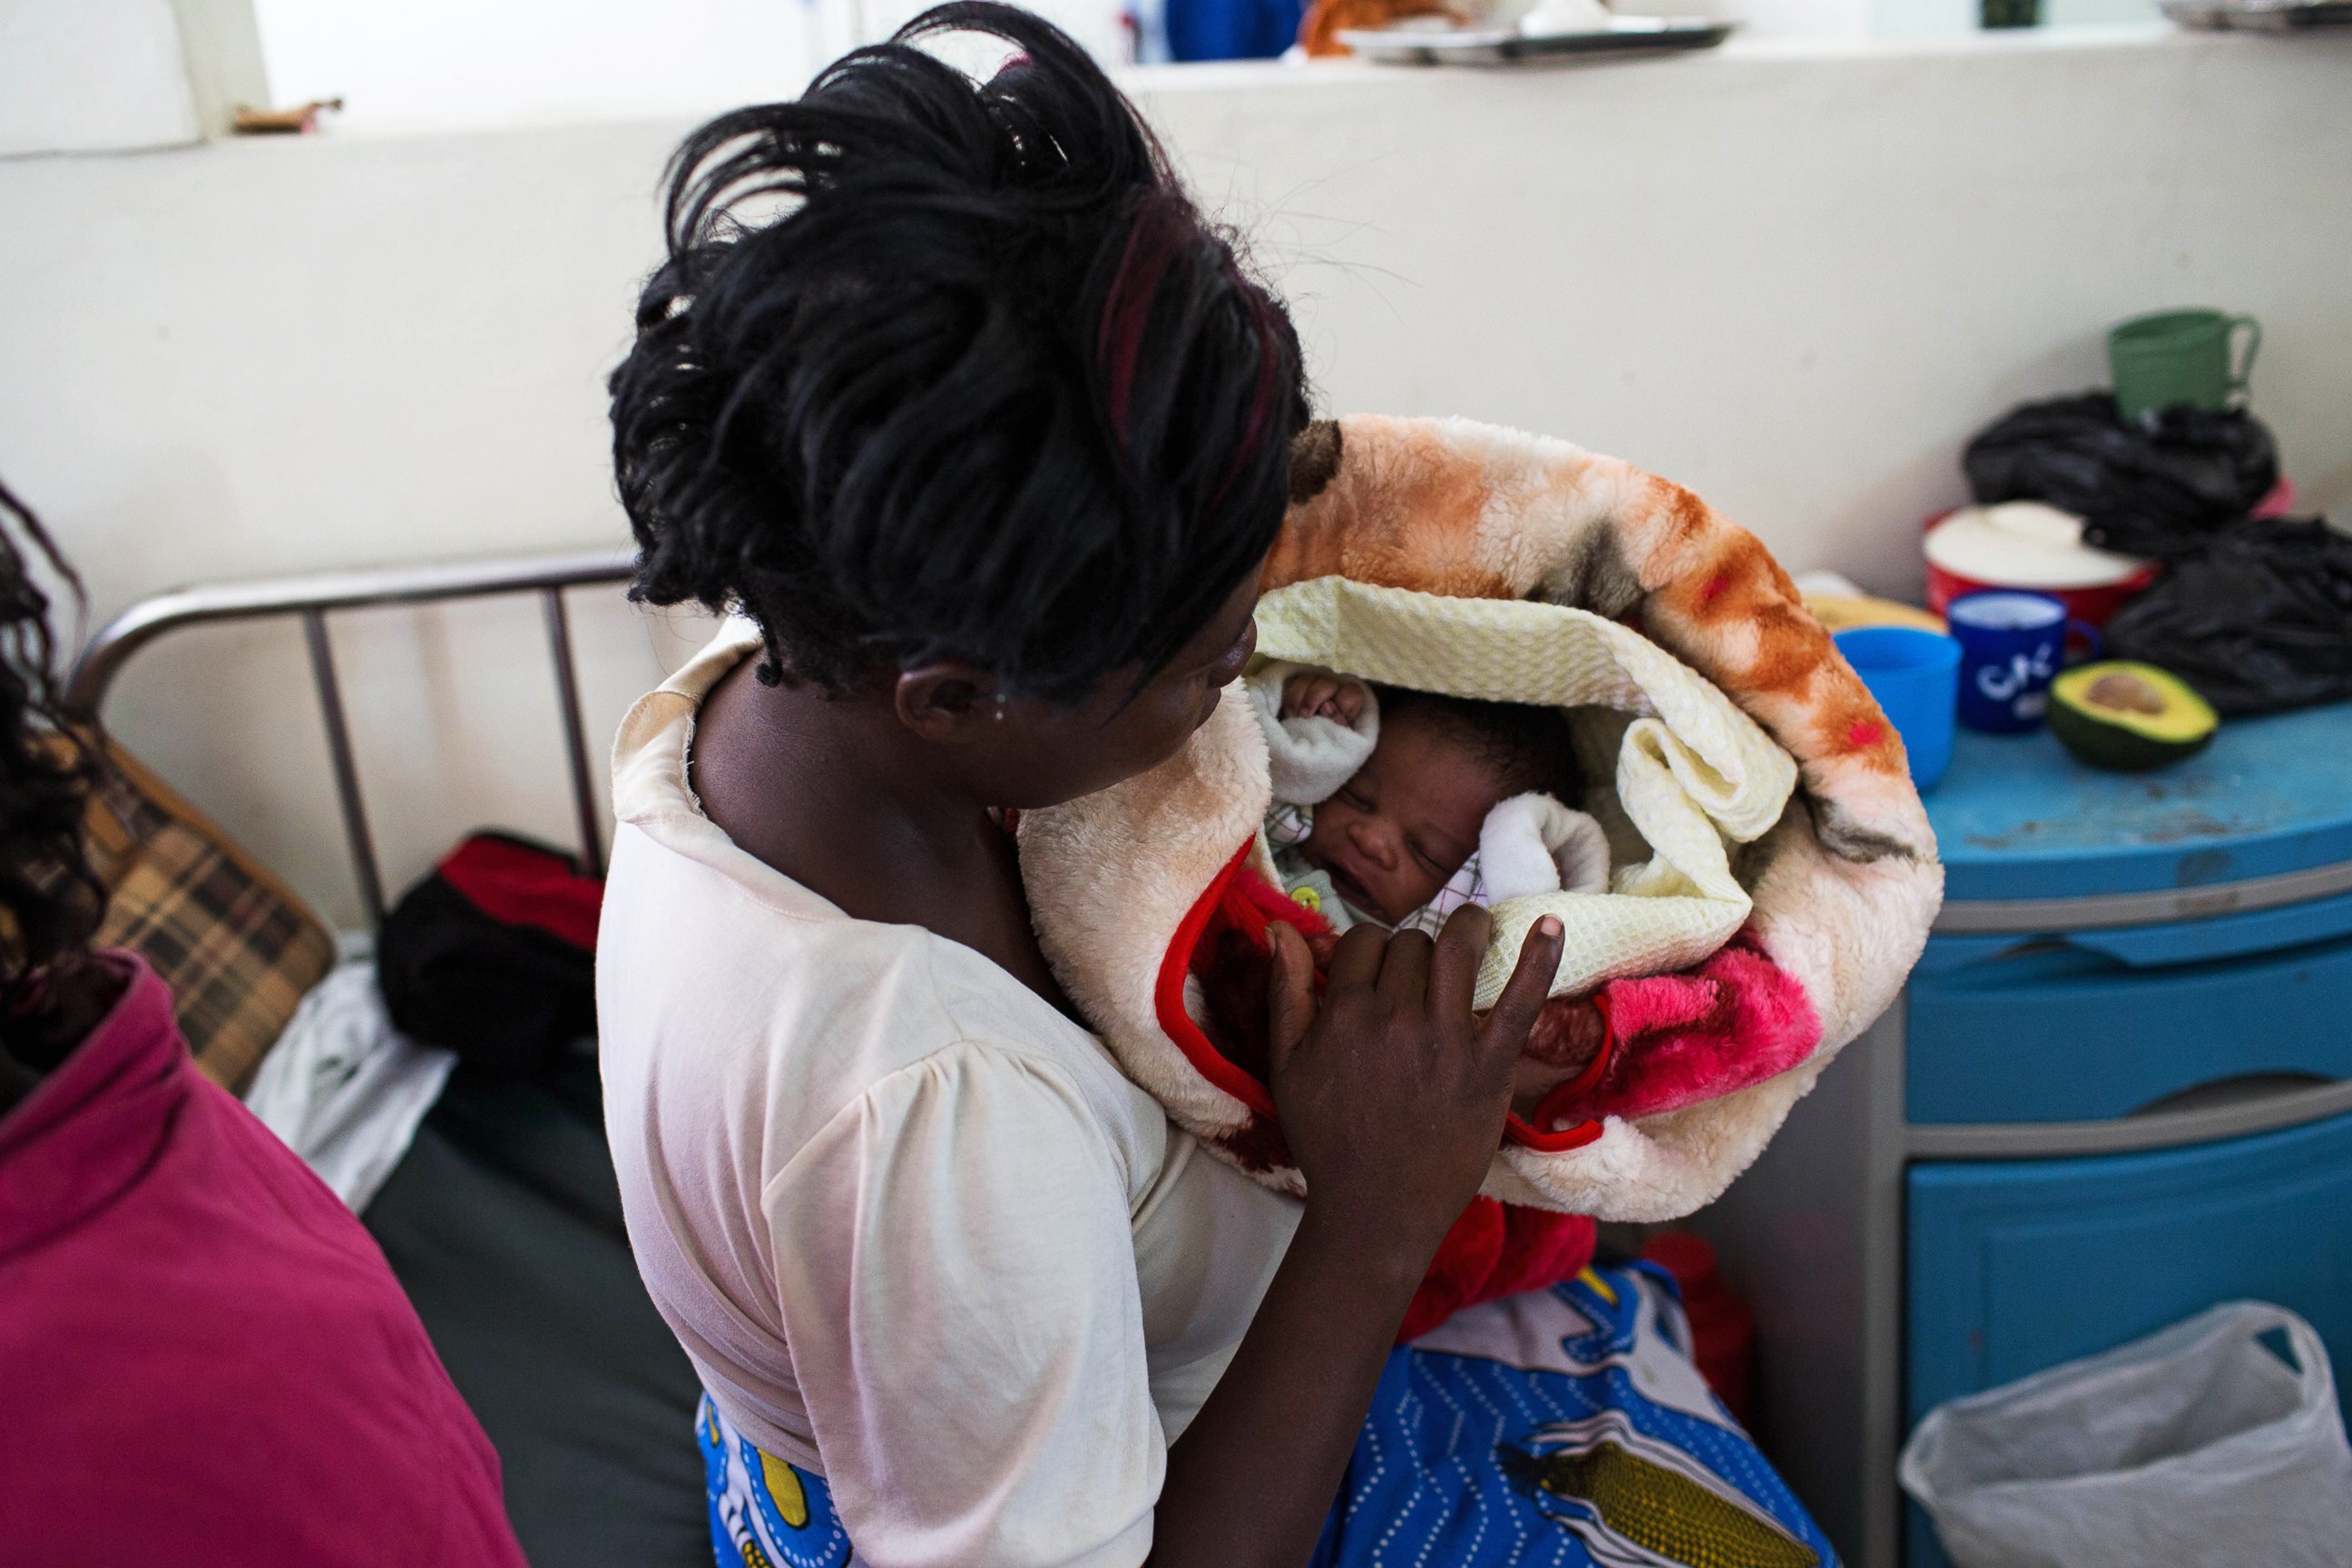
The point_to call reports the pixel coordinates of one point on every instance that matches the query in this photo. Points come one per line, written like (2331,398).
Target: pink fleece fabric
(204,1358)
(1736,1020)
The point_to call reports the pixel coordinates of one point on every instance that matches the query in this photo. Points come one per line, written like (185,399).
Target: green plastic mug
(2180,356)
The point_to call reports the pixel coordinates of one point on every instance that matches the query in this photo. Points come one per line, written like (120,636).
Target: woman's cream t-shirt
(913,1227)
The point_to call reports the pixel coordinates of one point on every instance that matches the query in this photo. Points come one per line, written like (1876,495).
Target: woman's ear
(947,702)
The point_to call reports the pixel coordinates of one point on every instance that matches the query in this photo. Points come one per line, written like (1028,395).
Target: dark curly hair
(1527,746)
(991,388)
(50,900)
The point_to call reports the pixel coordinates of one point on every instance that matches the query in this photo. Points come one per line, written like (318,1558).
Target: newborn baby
(1400,806)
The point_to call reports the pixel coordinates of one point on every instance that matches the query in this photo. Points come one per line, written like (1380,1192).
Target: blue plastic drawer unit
(2117,952)
(2019,1264)
(2016,818)
(2016,1265)
(2117,1090)
(2113,941)
(2089,1024)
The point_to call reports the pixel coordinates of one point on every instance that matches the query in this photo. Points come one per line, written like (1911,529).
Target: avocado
(2128,717)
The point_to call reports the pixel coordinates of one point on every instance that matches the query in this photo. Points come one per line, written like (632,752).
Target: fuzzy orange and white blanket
(1844,885)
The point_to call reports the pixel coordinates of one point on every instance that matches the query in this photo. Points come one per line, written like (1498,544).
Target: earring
(1000,707)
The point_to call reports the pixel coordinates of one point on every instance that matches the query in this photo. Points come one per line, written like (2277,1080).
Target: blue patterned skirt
(1562,1428)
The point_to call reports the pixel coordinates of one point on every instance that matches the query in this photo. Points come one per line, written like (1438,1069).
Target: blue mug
(2012,645)
(1915,676)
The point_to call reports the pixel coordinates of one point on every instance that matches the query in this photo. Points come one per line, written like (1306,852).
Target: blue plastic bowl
(1915,676)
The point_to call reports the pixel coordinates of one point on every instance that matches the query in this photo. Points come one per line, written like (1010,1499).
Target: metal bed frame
(312,600)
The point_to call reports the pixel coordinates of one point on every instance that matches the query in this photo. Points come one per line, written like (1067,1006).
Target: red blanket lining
(1244,901)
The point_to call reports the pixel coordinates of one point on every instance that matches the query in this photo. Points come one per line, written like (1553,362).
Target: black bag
(2157,489)
(2258,620)
(493,955)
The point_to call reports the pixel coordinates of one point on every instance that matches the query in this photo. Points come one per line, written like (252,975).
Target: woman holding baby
(982,445)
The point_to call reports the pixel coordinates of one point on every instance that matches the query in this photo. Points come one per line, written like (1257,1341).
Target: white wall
(91,76)
(78,76)
(1796,278)
(477,63)
(480,62)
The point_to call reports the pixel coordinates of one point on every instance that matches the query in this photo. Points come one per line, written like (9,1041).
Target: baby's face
(1397,831)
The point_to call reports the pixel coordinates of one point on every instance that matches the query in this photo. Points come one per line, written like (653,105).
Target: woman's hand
(1392,1094)
(1393,1097)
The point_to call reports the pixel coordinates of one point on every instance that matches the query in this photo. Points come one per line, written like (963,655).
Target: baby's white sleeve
(1533,844)
(1309,758)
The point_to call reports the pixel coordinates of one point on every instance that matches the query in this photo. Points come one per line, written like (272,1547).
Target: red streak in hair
(1262,396)
(1151,243)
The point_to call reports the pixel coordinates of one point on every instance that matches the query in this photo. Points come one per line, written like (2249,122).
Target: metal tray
(1504,46)
(2259,15)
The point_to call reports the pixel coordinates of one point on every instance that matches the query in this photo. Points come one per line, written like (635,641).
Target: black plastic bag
(2258,620)
(493,955)
(2158,489)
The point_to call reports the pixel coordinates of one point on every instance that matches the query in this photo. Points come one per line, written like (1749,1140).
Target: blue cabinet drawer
(2017,1266)
(2095,1024)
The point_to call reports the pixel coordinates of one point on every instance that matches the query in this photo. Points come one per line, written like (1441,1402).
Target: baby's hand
(1308,696)
(1562,1045)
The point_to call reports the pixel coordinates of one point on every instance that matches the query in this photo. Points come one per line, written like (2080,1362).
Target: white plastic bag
(2195,1445)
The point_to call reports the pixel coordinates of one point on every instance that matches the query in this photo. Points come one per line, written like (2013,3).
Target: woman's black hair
(989,388)
(50,900)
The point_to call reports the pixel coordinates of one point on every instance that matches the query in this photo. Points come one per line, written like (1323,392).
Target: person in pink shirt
(204,1358)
